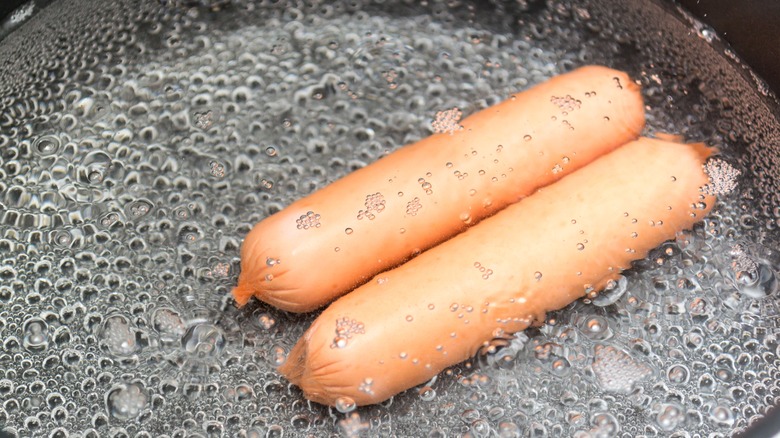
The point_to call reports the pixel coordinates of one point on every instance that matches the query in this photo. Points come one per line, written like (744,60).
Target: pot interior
(140,141)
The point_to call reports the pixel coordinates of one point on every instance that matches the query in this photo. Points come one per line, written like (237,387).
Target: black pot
(750,27)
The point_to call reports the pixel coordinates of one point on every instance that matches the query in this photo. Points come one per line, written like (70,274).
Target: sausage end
(295,365)
(298,372)
(242,293)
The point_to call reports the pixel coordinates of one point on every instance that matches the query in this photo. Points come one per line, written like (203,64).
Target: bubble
(204,120)
(678,374)
(366,386)
(189,233)
(721,415)
(561,366)
(126,401)
(46,145)
(427,393)
(301,422)
(62,238)
(596,328)
(427,188)
(139,208)
(217,169)
(95,176)
(670,416)
(220,270)
(759,281)
(36,336)
(509,429)
(204,340)
(266,184)
(480,428)
(339,342)
(168,323)
(266,321)
(345,405)
(611,293)
(117,336)
(604,424)
(109,219)
(278,355)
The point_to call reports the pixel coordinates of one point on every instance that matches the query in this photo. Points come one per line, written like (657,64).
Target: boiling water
(140,141)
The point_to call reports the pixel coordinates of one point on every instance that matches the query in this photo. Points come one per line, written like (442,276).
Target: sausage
(335,239)
(567,240)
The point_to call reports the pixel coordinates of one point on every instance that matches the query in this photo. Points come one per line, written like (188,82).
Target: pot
(140,141)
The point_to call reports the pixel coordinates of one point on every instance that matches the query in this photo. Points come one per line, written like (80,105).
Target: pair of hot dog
(524,259)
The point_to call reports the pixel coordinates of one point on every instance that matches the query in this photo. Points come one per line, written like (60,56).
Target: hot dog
(326,244)
(540,254)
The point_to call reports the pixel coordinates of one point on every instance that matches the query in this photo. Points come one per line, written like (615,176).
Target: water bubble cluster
(117,336)
(204,340)
(743,264)
(413,206)
(722,175)
(484,270)
(446,122)
(125,402)
(308,220)
(374,204)
(346,328)
(566,103)
(134,158)
(616,371)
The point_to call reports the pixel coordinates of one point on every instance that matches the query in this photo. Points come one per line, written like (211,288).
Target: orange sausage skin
(408,324)
(335,239)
